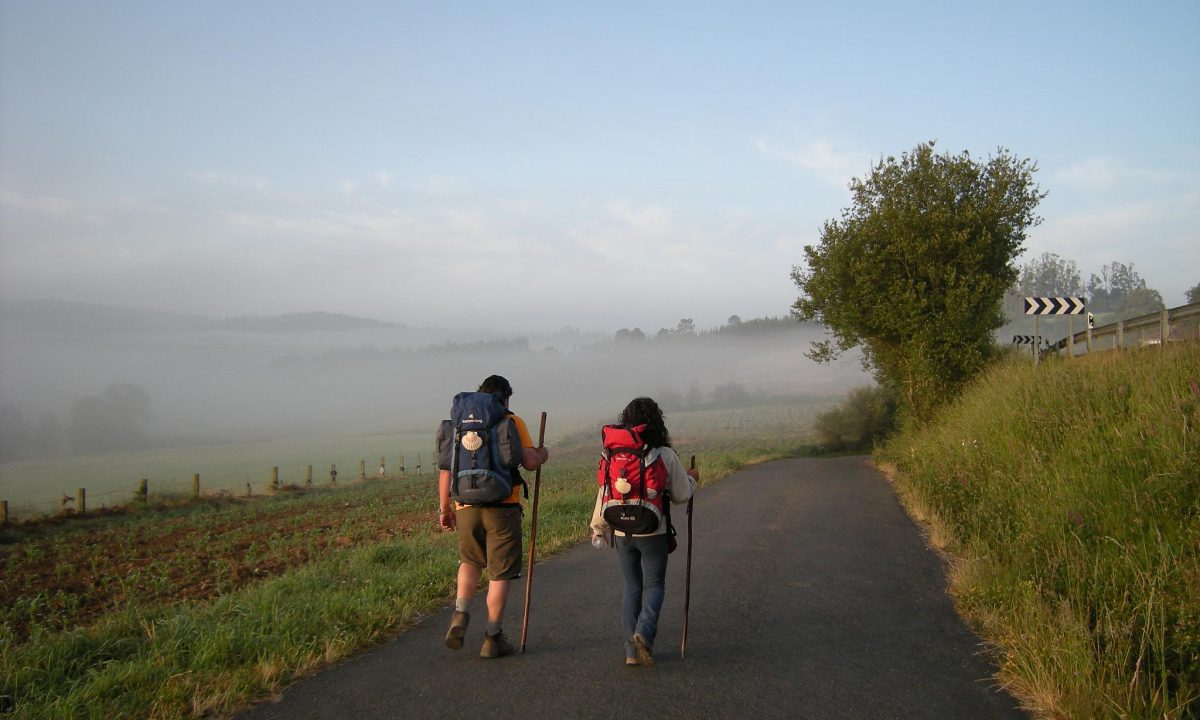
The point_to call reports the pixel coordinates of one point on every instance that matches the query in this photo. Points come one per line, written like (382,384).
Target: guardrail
(1173,325)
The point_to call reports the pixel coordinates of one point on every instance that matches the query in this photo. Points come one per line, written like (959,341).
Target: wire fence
(144,491)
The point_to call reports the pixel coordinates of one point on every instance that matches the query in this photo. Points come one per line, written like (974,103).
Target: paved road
(813,596)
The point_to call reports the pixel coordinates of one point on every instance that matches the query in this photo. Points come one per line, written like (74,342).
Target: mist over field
(78,378)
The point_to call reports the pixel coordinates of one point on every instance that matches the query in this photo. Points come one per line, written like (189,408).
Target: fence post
(418,463)
(4,512)
(1120,334)
(144,490)
(196,485)
(382,471)
(308,476)
(275,478)
(362,469)
(81,500)
(402,464)
(1164,329)
(333,474)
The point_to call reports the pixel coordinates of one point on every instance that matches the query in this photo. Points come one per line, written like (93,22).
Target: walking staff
(687,581)
(537,484)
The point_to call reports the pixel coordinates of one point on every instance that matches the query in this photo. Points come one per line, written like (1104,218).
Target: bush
(867,415)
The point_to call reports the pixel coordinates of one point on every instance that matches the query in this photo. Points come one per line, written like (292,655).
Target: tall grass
(198,659)
(1070,495)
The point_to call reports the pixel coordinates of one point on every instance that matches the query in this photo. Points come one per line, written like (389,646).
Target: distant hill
(82,319)
(304,322)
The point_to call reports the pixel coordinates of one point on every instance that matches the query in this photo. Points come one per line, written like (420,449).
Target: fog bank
(153,380)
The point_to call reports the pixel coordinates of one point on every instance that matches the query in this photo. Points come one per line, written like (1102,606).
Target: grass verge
(1069,497)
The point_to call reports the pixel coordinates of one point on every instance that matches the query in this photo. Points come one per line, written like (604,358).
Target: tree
(1141,301)
(1193,295)
(115,420)
(1050,276)
(685,328)
(915,271)
(1107,291)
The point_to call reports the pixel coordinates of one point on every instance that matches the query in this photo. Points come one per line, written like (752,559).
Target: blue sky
(600,165)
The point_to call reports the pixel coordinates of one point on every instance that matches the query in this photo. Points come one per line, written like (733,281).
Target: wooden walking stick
(687,582)
(537,484)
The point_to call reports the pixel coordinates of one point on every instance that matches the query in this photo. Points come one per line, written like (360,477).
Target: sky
(538,165)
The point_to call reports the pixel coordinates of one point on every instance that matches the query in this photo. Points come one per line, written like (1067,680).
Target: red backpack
(634,482)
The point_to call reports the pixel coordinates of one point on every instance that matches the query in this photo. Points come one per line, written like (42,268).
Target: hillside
(1069,497)
(61,317)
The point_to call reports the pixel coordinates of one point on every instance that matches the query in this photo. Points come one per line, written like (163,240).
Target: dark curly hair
(496,384)
(644,411)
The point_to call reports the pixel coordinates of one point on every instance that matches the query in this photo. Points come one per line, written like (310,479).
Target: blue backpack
(481,448)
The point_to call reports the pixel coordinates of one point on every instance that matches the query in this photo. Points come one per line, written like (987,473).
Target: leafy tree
(1050,276)
(1193,295)
(730,395)
(1107,291)
(115,420)
(14,433)
(686,328)
(733,321)
(1141,301)
(915,271)
(867,415)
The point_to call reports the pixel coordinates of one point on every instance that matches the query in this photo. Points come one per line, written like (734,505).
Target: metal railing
(1173,325)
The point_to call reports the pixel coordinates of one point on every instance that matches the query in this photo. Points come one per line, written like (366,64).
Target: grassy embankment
(198,608)
(1069,498)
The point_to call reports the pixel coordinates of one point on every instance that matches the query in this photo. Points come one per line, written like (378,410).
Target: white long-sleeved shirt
(680,485)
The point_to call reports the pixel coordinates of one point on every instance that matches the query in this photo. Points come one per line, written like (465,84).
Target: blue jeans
(644,565)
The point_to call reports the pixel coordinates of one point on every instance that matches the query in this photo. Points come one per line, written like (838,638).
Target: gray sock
(462,605)
(493,628)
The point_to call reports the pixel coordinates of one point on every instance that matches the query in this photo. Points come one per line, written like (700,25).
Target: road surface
(813,596)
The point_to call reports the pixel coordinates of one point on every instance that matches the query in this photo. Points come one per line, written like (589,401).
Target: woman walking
(637,503)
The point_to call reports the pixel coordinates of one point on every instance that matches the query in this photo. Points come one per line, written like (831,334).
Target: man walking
(489,536)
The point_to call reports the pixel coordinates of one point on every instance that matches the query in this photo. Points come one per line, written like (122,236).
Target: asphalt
(813,596)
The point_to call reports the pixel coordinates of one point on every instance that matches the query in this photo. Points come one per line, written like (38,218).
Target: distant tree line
(727,395)
(117,419)
(1117,292)
(685,329)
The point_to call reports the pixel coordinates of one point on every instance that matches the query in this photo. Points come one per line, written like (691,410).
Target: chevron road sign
(1054,306)
(1026,340)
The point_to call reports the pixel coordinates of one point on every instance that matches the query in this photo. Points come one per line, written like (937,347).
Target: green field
(34,487)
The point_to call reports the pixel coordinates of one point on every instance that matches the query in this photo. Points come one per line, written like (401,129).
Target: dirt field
(63,572)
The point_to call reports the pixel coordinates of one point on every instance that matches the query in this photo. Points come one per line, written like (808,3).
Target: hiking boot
(631,662)
(458,628)
(495,646)
(642,648)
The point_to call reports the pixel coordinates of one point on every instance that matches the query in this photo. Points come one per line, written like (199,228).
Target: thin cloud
(235,180)
(442,186)
(817,156)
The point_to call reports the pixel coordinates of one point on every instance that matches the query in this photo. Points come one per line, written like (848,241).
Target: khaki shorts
(490,537)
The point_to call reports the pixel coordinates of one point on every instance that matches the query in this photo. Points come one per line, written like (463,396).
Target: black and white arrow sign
(1054,306)
(1026,339)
